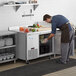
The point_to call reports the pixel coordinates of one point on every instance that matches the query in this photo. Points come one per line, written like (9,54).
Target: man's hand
(45,40)
(50,36)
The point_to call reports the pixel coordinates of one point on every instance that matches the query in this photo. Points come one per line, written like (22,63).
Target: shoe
(60,62)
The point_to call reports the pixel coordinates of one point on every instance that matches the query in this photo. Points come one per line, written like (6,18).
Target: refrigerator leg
(27,62)
(54,55)
(14,61)
(49,57)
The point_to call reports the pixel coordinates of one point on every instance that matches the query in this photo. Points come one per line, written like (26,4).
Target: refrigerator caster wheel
(27,62)
(49,57)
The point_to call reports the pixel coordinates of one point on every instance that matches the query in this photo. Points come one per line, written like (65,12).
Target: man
(61,22)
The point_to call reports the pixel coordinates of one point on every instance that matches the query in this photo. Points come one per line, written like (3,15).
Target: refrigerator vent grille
(32,54)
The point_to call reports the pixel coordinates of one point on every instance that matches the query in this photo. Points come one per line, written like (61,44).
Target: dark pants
(67,49)
(66,42)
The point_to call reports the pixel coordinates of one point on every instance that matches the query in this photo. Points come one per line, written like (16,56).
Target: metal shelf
(17,6)
(21,4)
(7,47)
(47,54)
(8,60)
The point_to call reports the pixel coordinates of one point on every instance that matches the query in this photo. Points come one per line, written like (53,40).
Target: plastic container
(0,58)
(10,56)
(2,42)
(8,41)
(3,56)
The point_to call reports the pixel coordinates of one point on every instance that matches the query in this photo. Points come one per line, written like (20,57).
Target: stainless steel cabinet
(57,43)
(28,46)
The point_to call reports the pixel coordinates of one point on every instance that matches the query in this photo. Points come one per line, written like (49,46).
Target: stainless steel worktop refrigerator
(30,45)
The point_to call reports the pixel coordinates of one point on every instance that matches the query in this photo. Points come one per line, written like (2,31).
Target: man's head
(47,18)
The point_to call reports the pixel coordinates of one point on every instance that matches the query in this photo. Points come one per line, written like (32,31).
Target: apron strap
(70,40)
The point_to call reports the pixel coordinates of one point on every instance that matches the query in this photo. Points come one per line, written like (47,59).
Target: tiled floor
(66,72)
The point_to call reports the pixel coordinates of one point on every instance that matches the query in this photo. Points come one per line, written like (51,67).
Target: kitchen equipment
(10,56)
(29,45)
(57,43)
(20,2)
(3,56)
(9,3)
(2,42)
(6,56)
(8,41)
(0,58)
(5,50)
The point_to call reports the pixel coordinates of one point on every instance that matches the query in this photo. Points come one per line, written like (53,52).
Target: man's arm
(53,29)
(51,35)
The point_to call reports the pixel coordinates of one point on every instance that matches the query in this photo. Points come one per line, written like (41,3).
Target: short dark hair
(46,16)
